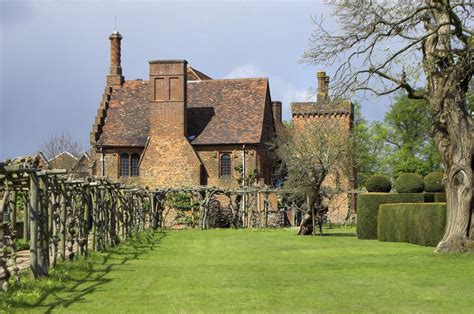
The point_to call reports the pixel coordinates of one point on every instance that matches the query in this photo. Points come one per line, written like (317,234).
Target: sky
(54,56)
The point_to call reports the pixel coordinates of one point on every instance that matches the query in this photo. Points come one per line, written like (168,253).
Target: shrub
(409,183)
(22,245)
(421,224)
(378,183)
(435,197)
(433,182)
(368,207)
(219,217)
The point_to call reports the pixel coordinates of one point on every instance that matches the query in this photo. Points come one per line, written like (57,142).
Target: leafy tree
(406,130)
(288,124)
(369,147)
(382,46)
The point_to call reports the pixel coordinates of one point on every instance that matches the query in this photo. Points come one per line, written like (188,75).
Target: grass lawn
(254,271)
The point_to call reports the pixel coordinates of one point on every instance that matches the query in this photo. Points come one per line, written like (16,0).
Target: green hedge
(421,224)
(368,207)
(435,197)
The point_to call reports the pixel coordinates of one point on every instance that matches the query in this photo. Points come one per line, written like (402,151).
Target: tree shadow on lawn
(93,271)
(339,234)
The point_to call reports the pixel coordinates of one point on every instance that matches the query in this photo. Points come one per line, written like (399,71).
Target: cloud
(280,88)
(246,71)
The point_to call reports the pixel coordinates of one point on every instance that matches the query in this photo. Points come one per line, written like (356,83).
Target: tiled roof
(219,112)
(330,107)
(126,121)
(226,111)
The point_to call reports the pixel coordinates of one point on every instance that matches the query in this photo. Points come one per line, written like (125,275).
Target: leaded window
(124,165)
(134,161)
(225,165)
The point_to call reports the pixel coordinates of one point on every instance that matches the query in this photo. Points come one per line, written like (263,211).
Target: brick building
(182,128)
(341,115)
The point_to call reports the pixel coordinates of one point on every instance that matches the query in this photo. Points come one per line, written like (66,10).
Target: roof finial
(115,28)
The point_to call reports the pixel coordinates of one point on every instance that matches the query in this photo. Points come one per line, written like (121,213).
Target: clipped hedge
(409,183)
(435,197)
(433,182)
(368,207)
(421,224)
(378,183)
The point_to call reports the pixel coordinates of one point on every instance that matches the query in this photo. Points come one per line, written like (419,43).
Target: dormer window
(225,165)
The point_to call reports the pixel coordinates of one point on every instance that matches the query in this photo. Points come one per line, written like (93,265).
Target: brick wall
(210,158)
(169,162)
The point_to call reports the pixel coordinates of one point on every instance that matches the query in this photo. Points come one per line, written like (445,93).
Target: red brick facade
(183,125)
(182,128)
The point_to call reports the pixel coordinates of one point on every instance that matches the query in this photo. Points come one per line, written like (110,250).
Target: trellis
(248,213)
(65,217)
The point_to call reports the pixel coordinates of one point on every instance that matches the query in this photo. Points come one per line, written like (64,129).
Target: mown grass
(253,271)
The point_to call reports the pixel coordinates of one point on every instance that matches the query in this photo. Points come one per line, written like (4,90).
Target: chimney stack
(167,94)
(276,109)
(115,77)
(323,86)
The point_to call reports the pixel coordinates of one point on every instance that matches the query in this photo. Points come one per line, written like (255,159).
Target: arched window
(124,165)
(225,166)
(135,159)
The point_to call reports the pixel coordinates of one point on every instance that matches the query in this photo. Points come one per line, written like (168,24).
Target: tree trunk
(307,224)
(448,82)
(454,141)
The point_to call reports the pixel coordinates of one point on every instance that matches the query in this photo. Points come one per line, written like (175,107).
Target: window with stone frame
(225,165)
(124,165)
(134,161)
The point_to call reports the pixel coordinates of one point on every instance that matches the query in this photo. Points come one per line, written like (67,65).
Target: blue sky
(54,56)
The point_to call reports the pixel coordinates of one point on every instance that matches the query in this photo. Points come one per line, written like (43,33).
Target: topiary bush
(433,182)
(409,183)
(368,207)
(421,224)
(378,183)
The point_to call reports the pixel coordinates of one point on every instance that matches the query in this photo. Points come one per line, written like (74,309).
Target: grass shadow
(70,282)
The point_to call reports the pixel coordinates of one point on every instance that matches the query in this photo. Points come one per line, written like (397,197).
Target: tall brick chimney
(276,109)
(115,77)
(168,98)
(323,86)
(168,153)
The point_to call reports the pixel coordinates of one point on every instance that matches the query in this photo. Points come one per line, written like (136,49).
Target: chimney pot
(323,86)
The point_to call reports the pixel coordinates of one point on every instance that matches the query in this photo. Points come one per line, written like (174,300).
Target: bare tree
(315,159)
(60,142)
(383,46)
